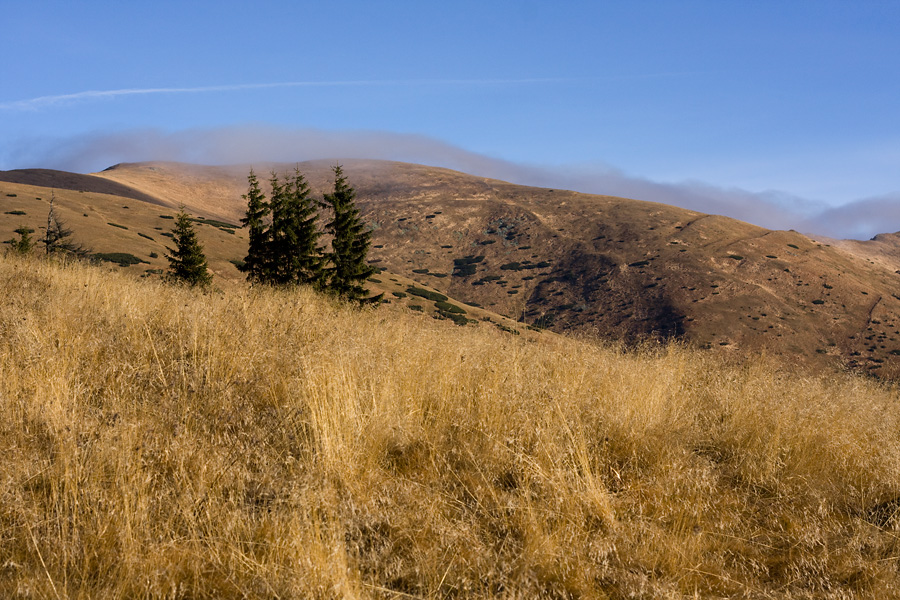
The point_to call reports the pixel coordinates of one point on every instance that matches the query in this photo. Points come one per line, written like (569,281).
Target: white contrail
(49,101)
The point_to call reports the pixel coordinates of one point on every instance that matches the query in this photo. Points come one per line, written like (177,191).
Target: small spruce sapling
(57,236)
(187,262)
(25,243)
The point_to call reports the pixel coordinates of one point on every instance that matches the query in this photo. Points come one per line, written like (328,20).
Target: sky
(781,113)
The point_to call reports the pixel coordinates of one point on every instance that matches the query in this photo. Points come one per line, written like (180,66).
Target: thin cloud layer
(43,102)
(861,219)
(240,145)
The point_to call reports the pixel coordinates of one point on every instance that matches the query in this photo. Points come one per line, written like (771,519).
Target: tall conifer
(348,268)
(255,222)
(298,235)
(275,271)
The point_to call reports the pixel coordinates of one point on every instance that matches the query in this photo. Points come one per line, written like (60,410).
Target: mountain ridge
(591,265)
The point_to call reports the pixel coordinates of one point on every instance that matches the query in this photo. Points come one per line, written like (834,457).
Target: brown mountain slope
(596,265)
(134,236)
(64,180)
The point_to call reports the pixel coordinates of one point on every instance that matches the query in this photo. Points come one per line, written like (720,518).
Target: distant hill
(581,264)
(64,180)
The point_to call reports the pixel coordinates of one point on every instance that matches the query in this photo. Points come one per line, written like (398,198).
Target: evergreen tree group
(284,237)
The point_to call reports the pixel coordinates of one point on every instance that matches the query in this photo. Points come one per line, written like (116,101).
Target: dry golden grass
(161,443)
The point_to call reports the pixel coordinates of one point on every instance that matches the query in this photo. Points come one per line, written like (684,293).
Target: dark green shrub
(818,302)
(640,263)
(455,317)
(123,259)
(487,279)
(154,255)
(15,212)
(420,271)
(214,223)
(503,327)
(117,225)
(450,308)
(399,294)
(736,256)
(423,293)
(467,260)
(166,217)
(144,235)
(794,246)
(464,270)
(416,307)
(466,266)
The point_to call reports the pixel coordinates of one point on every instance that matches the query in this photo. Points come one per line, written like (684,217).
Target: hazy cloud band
(860,219)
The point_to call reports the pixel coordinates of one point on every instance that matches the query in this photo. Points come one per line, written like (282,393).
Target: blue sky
(786,113)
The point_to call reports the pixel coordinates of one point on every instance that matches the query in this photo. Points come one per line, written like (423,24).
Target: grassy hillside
(596,266)
(161,443)
(599,266)
(116,227)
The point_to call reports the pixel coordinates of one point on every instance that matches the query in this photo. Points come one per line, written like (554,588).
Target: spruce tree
(296,257)
(258,209)
(187,263)
(348,268)
(57,236)
(25,243)
(274,271)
